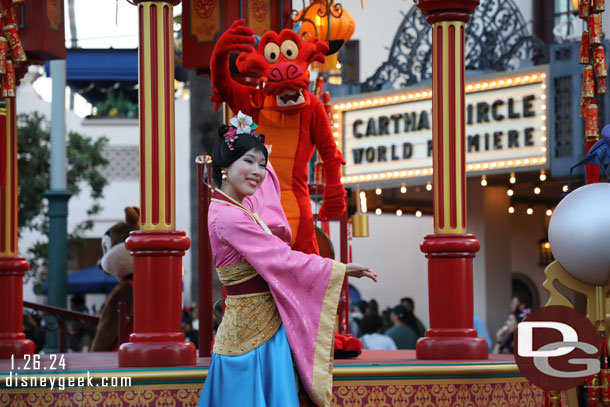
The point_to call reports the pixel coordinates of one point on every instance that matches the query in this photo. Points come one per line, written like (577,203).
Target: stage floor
(376,378)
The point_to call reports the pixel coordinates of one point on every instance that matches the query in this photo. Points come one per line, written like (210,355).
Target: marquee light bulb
(529,210)
(484,181)
(399,212)
(510,192)
(428,186)
(565,188)
(542,175)
(512,179)
(378,211)
(378,191)
(549,212)
(511,209)
(403,189)
(418,214)
(537,190)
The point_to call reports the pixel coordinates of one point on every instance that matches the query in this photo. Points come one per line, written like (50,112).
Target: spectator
(372,338)
(409,305)
(403,332)
(505,337)
(372,308)
(355,317)
(387,321)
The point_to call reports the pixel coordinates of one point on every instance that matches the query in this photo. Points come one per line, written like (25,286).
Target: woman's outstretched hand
(359,271)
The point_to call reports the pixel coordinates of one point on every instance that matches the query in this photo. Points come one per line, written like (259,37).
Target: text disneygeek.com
(61,382)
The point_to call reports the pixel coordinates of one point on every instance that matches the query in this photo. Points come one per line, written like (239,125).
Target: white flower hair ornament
(240,124)
(243,123)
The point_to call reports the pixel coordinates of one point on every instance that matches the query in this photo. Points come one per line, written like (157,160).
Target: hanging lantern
(591,123)
(326,21)
(41,29)
(203,21)
(598,6)
(600,86)
(588,87)
(583,56)
(9,86)
(584,102)
(584,8)
(595,29)
(360,221)
(544,252)
(599,62)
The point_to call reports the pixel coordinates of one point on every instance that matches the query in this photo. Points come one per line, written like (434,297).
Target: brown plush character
(116,261)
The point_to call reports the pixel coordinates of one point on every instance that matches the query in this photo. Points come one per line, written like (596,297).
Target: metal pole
(58,197)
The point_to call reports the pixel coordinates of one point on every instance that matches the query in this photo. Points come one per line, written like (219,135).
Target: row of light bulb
(403,189)
(509,81)
(513,179)
(529,210)
(399,212)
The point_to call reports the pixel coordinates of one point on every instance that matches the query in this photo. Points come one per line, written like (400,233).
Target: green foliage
(117,104)
(84,161)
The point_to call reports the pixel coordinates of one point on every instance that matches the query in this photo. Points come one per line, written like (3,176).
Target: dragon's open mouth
(290,98)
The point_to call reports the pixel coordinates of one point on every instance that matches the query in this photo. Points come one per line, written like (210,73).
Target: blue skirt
(263,377)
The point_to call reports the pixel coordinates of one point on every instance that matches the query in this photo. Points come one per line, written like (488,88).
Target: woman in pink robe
(274,294)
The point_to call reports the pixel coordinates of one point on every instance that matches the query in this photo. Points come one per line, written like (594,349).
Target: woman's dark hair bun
(223,156)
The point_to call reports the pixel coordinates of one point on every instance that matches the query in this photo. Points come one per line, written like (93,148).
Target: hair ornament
(240,124)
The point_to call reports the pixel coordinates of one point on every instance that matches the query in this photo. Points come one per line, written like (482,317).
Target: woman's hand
(359,271)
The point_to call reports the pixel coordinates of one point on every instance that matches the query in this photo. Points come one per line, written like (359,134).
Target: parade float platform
(376,378)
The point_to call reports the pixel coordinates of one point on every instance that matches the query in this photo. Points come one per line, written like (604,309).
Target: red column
(157,248)
(450,249)
(12,267)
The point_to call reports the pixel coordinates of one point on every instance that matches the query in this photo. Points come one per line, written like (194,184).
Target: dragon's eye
(272,52)
(290,49)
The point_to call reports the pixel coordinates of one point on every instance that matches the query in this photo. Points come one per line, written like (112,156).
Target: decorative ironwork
(497,39)
(329,10)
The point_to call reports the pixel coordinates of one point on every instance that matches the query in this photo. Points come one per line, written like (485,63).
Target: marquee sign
(390,136)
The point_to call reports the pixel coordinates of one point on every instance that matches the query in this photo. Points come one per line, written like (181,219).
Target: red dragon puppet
(293,120)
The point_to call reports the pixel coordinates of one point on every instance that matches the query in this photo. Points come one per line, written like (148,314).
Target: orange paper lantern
(327,21)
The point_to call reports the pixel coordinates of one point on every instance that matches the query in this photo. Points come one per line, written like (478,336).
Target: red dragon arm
(224,88)
(334,192)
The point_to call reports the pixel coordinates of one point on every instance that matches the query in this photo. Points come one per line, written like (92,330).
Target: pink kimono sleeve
(266,201)
(306,290)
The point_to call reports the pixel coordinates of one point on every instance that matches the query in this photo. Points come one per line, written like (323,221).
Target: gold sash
(249,319)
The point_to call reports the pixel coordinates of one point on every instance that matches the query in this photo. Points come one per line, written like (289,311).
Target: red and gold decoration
(381,381)
(12,267)
(203,21)
(450,250)
(592,55)
(327,21)
(43,29)
(157,247)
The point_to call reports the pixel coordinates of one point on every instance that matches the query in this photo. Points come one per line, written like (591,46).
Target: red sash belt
(255,285)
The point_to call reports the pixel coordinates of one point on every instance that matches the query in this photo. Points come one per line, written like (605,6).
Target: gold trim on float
(433,371)
(339,372)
